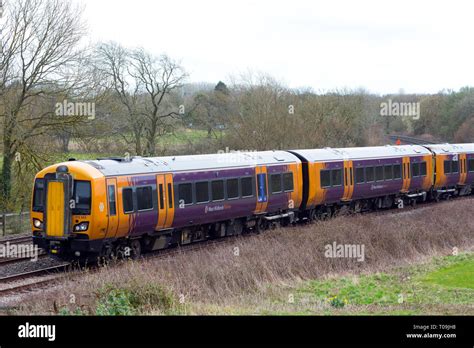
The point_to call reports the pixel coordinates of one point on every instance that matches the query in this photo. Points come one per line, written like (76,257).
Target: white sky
(383,46)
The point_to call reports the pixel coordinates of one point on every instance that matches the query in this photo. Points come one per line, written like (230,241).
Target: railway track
(11,280)
(16,240)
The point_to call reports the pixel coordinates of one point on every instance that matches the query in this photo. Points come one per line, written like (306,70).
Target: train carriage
(109,205)
(454,169)
(364,177)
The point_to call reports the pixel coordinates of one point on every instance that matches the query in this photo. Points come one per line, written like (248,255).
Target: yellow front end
(67,212)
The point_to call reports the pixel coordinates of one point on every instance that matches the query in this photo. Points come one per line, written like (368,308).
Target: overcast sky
(383,46)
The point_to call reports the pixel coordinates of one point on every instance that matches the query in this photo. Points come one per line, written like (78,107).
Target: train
(122,207)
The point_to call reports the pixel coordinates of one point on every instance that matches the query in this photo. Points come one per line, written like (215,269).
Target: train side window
(336,177)
(423,171)
(246,185)
(144,198)
(325,178)
(185,193)
(232,188)
(127,196)
(471,165)
(275,183)
(447,167)
(379,173)
(388,172)
(369,174)
(112,204)
(360,177)
(217,188)
(397,171)
(288,182)
(415,169)
(455,167)
(202,192)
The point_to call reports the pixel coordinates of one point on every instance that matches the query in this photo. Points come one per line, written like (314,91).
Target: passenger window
(217,188)
(388,172)
(288,182)
(415,169)
(202,192)
(336,177)
(127,196)
(423,169)
(455,167)
(471,165)
(447,167)
(275,183)
(112,204)
(185,193)
(232,188)
(360,178)
(369,174)
(397,171)
(325,178)
(246,186)
(144,198)
(379,173)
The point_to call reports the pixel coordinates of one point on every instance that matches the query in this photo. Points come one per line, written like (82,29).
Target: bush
(133,298)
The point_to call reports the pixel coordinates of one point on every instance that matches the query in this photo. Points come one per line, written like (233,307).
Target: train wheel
(136,249)
(260,226)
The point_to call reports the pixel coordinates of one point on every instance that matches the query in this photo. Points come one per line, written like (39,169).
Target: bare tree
(111,62)
(157,78)
(40,56)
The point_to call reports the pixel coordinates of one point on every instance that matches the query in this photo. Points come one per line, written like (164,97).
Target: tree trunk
(6,172)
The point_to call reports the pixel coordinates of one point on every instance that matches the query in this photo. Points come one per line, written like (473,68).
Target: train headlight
(37,223)
(83,226)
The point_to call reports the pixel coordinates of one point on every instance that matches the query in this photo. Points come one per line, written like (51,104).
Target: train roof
(451,148)
(354,153)
(145,165)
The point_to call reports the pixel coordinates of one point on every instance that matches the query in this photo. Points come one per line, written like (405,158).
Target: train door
(262,189)
(462,169)
(113,218)
(406,174)
(348,181)
(165,191)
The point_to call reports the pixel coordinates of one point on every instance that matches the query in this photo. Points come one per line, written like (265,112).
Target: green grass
(444,283)
(460,275)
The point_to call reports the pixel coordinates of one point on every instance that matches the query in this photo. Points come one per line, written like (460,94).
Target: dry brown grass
(217,280)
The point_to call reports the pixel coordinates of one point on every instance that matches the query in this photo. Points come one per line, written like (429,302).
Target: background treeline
(144,104)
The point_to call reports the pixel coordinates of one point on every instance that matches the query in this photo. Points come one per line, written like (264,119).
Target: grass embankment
(409,267)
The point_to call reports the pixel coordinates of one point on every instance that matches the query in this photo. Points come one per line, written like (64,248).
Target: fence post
(21,222)
(4,224)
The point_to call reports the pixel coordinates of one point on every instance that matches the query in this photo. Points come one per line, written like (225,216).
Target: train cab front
(61,212)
